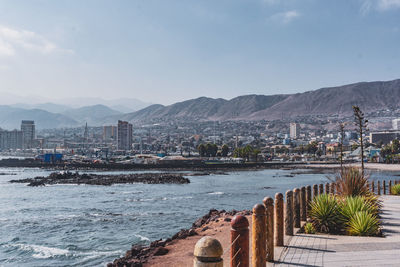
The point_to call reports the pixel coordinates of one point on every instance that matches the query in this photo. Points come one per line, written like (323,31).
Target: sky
(164,51)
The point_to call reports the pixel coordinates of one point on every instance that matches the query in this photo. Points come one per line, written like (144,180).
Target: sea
(90,225)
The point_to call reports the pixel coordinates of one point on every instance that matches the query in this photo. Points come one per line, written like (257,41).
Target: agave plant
(352,182)
(309,228)
(363,223)
(352,205)
(324,213)
(395,190)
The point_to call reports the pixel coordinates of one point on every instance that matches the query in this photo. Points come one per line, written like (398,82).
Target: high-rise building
(294,130)
(109,133)
(124,135)
(396,124)
(11,139)
(28,133)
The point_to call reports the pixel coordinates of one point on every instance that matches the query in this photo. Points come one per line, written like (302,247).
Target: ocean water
(86,225)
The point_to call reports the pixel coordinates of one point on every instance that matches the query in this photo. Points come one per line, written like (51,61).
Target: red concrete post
(327,188)
(279,224)
(379,188)
(321,189)
(296,208)
(372,187)
(303,204)
(258,236)
(269,210)
(309,197)
(240,240)
(333,186)
(289,213)
(315,190)
(384,187)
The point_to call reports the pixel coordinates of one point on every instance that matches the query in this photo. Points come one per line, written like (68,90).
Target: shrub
(309,228)
(395,190)
(352,205)
(324,213)
(363,223)
(352,182)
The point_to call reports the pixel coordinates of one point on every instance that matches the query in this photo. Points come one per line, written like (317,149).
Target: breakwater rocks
(139,254)
(104,179)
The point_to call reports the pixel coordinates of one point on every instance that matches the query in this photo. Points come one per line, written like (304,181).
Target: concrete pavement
(332,250)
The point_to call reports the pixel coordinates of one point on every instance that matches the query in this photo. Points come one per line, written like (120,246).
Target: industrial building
(28,133)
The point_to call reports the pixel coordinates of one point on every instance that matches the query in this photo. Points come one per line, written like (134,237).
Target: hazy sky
(162,51)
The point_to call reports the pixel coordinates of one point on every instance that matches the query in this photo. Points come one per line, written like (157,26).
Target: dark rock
(227,219)
(205,228)
(160,251)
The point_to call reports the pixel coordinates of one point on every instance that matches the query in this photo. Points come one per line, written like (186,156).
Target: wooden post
(269,211)
(279,224)
(258,236)
(315,190)
(309,198)
(384,187)
(333,185)
(390,187)
(208,253)
(289,213)
(321,189)
(303,204)
(240,248)
(296,208)
(372,187)
(327,189)
(379,188)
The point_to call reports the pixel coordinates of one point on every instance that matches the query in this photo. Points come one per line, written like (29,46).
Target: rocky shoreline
(104,179)
(139,254)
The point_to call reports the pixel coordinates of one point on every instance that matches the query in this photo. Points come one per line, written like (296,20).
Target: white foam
(142,238)
(216,193)
(42,252)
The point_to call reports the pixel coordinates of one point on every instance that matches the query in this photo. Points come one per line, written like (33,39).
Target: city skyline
(165,52)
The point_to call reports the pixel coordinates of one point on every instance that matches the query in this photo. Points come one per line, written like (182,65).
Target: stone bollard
(279,224)
(315,191)
(379,188)
(327,189)
(269,210)
(258,236)
(208,253)
(321,189)
(296,208)
(289,213)
(384,187)
(333,186)
(240,239)
(303,204)
(372,187)
(309,198)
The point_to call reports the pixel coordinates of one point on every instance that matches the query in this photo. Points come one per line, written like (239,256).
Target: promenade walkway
(329,250)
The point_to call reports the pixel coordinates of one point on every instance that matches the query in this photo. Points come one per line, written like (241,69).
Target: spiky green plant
(351,182)
(395,190)
(324,213)
(309,228)
(363,223)
(351,205)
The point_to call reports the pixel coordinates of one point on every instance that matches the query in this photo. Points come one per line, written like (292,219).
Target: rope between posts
(237,252)
(228,248)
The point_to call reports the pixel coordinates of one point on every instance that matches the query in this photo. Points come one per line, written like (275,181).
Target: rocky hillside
(370,96)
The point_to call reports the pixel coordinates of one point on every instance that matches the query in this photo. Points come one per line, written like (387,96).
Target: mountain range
(370,96)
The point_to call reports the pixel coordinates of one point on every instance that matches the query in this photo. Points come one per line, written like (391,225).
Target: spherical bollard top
(296,190)
(239,221)
(289,193)
(268,201)
(208,247)
(258,209)
(278,196)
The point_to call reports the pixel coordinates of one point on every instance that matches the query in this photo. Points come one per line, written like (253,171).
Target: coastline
(175,251)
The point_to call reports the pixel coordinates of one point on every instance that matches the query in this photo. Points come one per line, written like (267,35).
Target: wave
(142,238)
(41,252)
(216,193)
